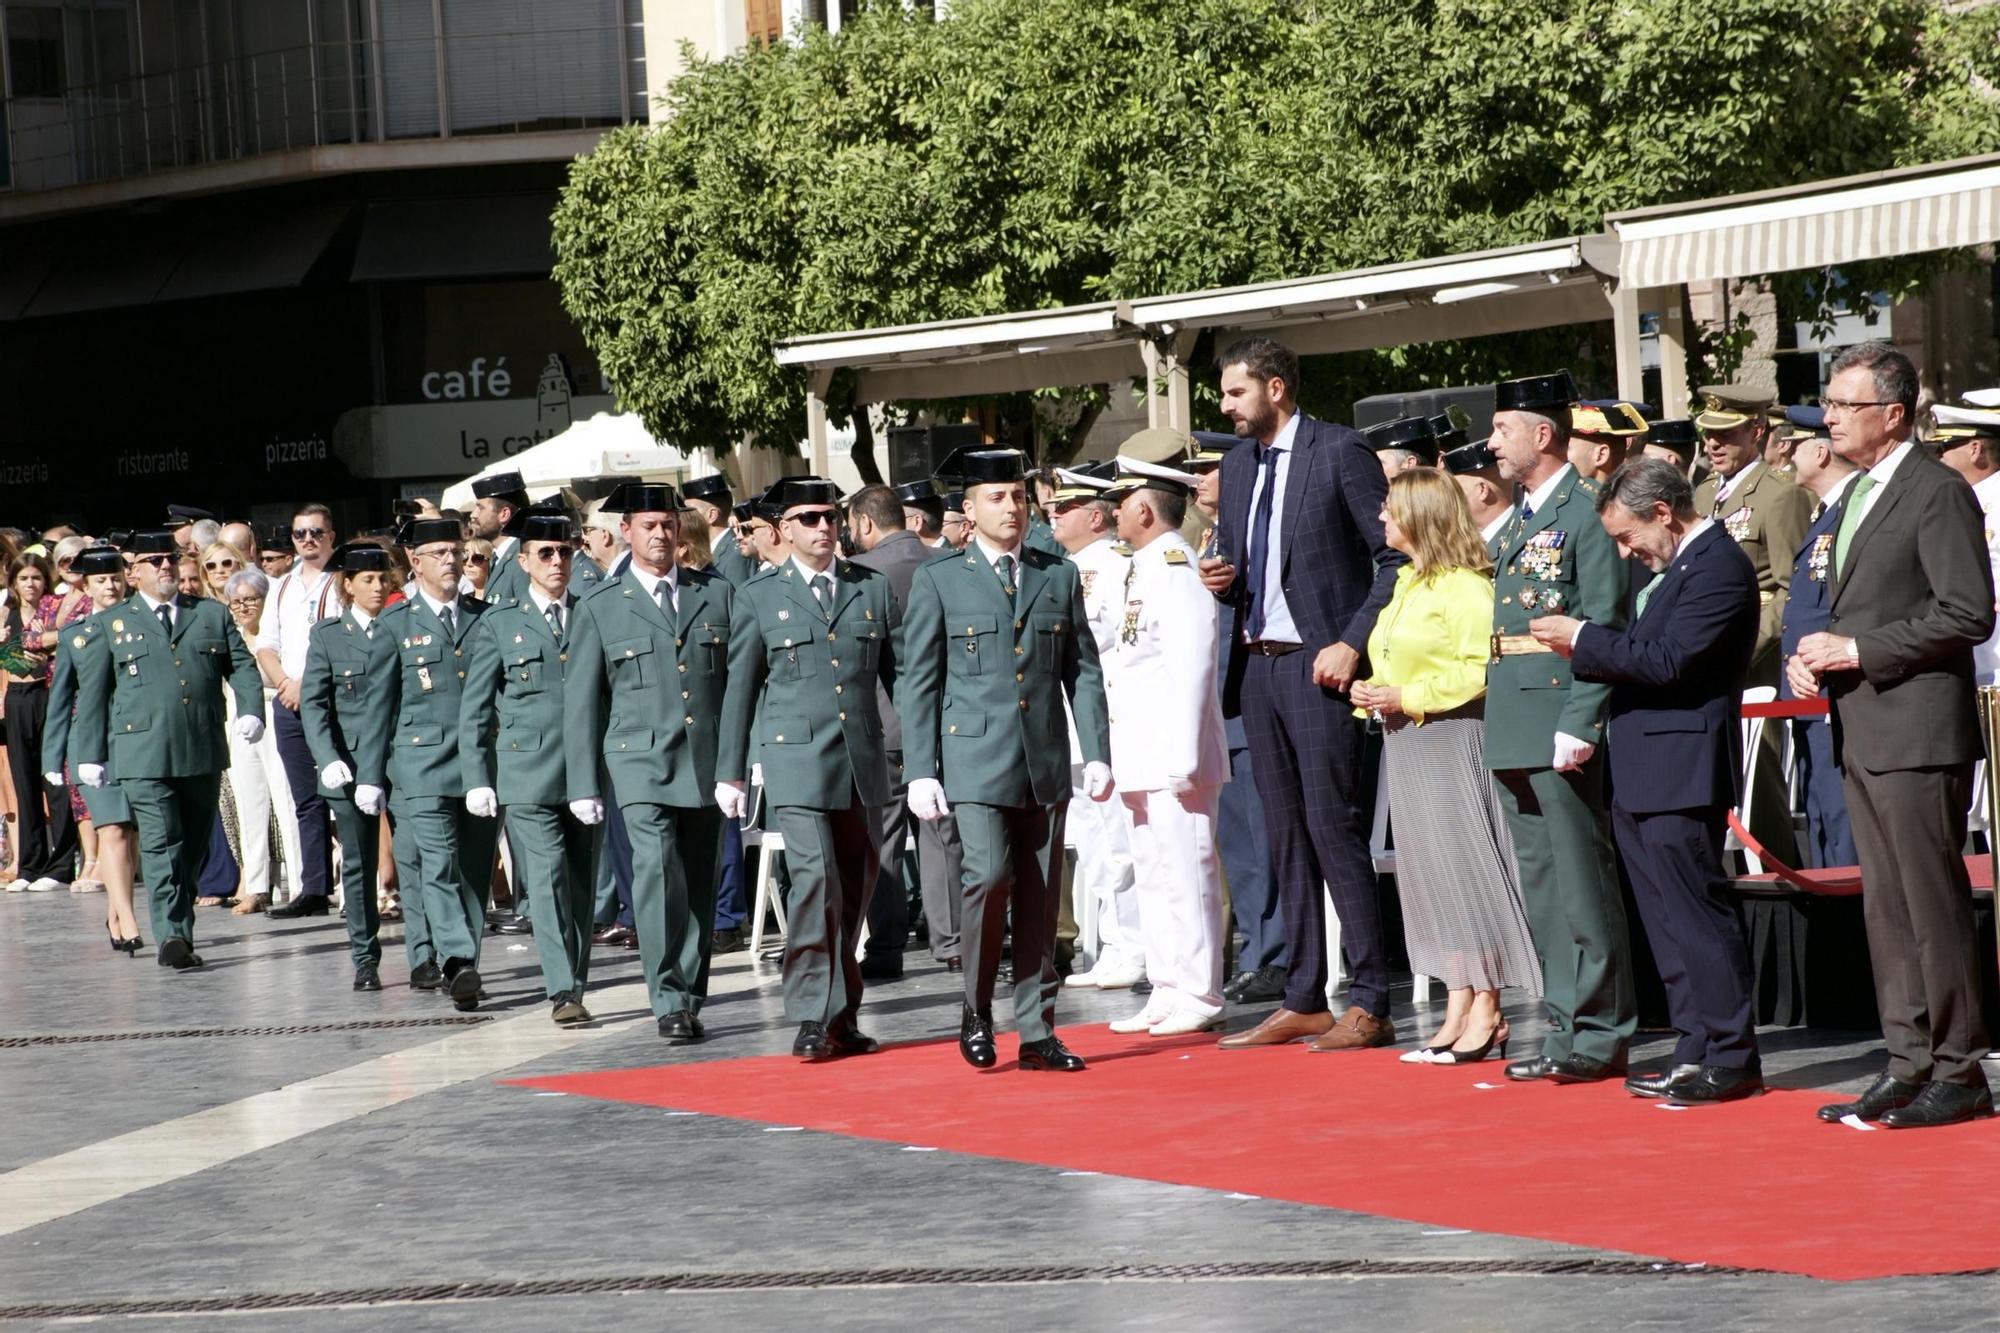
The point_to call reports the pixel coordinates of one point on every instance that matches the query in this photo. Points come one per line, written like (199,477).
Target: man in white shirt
(300,598)
(1967,440)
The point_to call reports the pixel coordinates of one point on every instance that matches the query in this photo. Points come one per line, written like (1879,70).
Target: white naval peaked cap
(1946,415)
(1081,480)
(1984,397)
(1134,473)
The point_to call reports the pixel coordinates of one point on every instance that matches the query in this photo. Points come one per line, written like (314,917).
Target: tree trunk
(863,456)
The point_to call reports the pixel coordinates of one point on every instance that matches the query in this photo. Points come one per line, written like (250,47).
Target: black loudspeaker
(916,451)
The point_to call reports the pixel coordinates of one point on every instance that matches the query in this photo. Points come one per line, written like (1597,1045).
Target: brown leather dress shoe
(1281,1027)
(1356,1030)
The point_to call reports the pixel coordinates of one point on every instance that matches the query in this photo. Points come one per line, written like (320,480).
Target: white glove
(588,810)
(53,779)
(251,729)
(927,800)
(1097,781)
(1179,784)
(756,775)
(367,799)
(336,775)
(1571,753)
(483,802)
(733,799)
(91,775)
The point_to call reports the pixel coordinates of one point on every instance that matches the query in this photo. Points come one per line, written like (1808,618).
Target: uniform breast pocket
(350,681)
(972,642)
(632,663)
(788,652)
(1051,641)
(133,660)
(525,668)
(870,651)
(711,643)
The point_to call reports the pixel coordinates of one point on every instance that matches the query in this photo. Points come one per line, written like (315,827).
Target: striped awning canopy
(1938,207)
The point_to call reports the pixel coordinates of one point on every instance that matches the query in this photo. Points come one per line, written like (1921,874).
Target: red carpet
(1760,1184)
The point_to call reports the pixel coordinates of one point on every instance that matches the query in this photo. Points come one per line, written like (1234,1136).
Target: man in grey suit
(876,516)
(1912,597)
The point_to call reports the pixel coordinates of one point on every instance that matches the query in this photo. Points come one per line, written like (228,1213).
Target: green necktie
(1850,519)
(1646,593)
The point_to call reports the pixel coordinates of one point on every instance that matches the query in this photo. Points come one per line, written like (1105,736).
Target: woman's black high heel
(1473,1057)
(133,945)
(117,945)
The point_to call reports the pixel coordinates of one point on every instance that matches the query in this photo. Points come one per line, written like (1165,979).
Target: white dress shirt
(651,583)
(543,602)
(299,600)
(807,573)
(153,605)
(1882,473)
(1279,626)
(438,608)
(363,619)
(1725,486)
(1492,530)
(1538,497)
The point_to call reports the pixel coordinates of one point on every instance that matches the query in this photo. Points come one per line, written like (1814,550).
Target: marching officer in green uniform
(648,681)
(350,660)
(511,746)
(499,506)
(1545,735)
(149,706)
(444,854)
(709,497)
(994,638)
(811,641)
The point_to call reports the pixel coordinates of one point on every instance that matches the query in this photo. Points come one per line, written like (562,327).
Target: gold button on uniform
(1019,676)
(779,737)
(688,720)
(1024,705)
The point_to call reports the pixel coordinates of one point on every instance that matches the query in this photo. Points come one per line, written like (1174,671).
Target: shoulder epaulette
(1176,556)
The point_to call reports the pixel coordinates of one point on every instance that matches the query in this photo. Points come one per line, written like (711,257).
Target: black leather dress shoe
(509,923)
(366,977)
(1658,1085)
(680,1029)
(975,1038)
(1884,1095)
(733,940)
(612,934)
(882,967)
(426,975)
(1050,1053)
(954,964)
(178,954)
(1232,989)
(1259,986)
(1582,1069)
(1942,1104)
(309,904)
(463,980)
(1716,1083)
(1527,1071)
(811,1043)
(567,1008)
(852,1041)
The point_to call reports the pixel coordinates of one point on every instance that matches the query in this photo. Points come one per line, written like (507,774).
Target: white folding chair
(767,898)
(1383,856)
(1753,740)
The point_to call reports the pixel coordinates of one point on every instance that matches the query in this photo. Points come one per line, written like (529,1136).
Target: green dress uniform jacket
(506,581)
(106,804)
(443,853)
(731,562)
(344,712)
(1767,513)
(149,706)
(511,739)
(807,680)
(983,681)
(1561,561)
(641,705)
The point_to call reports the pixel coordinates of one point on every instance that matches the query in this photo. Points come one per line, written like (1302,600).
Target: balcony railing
(324,93)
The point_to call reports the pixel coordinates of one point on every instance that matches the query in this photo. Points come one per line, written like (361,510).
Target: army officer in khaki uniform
(813,639)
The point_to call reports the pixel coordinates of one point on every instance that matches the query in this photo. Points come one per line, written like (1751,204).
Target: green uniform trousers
(444,856)
(675,861)
(1576,909)
(555,868)
(833,856)
(1013,859)
(360,846)
(174,817)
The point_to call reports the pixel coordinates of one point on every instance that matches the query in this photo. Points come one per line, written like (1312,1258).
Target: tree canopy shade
(1023,154)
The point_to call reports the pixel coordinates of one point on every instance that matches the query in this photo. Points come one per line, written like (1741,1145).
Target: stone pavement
(264,1151)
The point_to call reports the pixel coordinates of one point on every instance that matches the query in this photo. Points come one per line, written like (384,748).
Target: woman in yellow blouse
(1462,915)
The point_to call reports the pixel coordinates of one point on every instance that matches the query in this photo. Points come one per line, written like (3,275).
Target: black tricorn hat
(423,531)
(98,560)
(1408,433)
(786,492)
(182,515)
(1535,393)
(1680,435)
(745,510)
(920,492)
(546,525)
(156,542)
(500,486)
(1474,457)
(983,466)
(1448,433)
(714,489)
(275,539)
(642,497)
(360,557)
(954,501)
(122,537)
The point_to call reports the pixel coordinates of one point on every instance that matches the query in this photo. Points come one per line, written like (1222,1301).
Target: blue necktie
(1260,546)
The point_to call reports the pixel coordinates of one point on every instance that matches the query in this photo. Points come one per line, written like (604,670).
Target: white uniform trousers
(1179,881)
(1104,875)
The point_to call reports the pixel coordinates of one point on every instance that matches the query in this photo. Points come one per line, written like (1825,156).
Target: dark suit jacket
(1336,570)
(1917,597)
(895,557)
(1810,601)
(1677,680)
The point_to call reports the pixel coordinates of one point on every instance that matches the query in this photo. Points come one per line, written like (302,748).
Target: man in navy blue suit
(1829,838)
(1304,562)
(1676,678)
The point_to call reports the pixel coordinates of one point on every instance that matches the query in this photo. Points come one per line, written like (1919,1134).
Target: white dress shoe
(1116,974)
(1182,1020)
(1088,978)
(46,884)
(17,886)
(1142,1021)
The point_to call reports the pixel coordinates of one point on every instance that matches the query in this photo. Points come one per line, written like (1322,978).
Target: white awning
(606,445)
(1938,207)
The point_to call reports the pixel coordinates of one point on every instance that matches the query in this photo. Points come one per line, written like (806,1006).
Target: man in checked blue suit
(1305,563)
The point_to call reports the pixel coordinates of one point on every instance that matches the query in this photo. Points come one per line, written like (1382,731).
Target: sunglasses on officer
(812,518)
(545,554)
